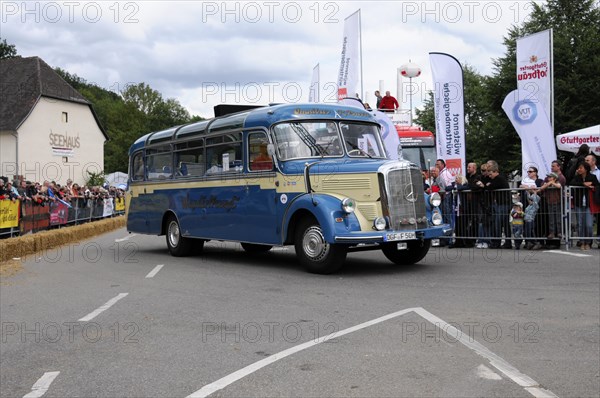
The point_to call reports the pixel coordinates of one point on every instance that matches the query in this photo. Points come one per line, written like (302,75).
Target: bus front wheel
(178,245)
(415,252)
(314,252)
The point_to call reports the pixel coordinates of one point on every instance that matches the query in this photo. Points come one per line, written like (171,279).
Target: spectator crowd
(50,191)
(484,209)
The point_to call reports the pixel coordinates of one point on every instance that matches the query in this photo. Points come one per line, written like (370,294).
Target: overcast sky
(205,53)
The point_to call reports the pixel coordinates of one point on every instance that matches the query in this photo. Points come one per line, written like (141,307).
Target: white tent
(117,179)
(571,142)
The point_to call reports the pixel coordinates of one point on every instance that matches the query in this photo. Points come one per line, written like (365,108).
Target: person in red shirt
(388,103)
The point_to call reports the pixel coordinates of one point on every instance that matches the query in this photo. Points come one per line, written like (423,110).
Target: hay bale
(45,240)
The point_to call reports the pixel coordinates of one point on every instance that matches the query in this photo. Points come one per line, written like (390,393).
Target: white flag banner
(534,68)
(449,111)
(389,134)
(315,89)
(350,58)
(529,118)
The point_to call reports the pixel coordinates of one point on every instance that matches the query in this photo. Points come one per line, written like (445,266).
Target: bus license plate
(395,236)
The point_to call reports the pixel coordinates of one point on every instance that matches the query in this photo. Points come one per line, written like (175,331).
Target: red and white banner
(530,121)
(449,111)
(350,58)
(571,142)
(534,67)
(314,89)
(534,79)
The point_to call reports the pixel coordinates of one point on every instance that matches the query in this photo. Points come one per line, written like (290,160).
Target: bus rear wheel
(177,244)
(314,252)
(416,251)
(254,248)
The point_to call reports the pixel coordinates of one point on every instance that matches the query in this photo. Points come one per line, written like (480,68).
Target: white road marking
(41,386)
(154,271)
(235,376)
(567,253)
(511,372)
(486,373)
(540,392)
(125,238)
(103,308)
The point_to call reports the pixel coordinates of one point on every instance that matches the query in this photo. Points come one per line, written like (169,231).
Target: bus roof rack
(228,109)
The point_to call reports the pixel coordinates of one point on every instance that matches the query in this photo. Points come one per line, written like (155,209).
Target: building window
(65,117)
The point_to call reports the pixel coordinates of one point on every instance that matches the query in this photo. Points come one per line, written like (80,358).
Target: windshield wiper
(308,139)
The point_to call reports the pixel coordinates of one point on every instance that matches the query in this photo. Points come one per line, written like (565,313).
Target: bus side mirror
(400,152)
(271,150)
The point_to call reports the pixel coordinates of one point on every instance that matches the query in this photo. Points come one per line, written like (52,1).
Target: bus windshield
(424,157)
(320,139)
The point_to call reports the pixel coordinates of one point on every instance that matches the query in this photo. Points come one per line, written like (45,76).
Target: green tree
(142,96)
(7,50)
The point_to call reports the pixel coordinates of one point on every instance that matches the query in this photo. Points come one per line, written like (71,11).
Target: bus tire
(416,251)
(177,244)
(316,254)
(254,248)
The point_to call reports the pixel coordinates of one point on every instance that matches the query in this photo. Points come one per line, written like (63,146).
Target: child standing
(517,216)
(530,212)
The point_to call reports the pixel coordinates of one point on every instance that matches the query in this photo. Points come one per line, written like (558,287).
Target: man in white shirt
(445,180)
(591,160)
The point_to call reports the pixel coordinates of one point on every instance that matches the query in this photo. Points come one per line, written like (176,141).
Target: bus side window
(138,167)
(259,159)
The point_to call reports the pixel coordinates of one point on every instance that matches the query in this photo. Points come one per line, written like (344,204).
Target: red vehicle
(418,146)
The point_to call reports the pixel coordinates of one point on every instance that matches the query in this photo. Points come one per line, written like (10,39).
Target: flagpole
(362,91)
(552,80)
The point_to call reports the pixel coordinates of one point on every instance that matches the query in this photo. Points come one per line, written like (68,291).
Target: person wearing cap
(517,215)
(551,192)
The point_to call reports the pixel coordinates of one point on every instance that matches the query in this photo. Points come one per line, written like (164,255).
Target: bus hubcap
(314,244)
(174,234)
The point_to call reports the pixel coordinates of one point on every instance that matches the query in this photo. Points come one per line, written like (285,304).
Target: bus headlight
(435,199)
(348,205)
(379,223)
(436,218)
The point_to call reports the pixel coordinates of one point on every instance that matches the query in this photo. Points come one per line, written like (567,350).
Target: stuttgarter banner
(571,142)
(534,61)
(534,76)
(529,118)
(449,111)
(314,90)
(350,58)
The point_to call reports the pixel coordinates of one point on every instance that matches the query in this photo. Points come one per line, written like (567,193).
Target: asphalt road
(117,316)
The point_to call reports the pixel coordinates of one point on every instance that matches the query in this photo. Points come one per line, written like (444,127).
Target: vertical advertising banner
(314,90)
(529,118)
(449,111)
(350,57)
(534,79)
(534,68)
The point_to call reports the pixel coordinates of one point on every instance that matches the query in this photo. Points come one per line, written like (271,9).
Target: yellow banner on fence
(119,204)
(9,213)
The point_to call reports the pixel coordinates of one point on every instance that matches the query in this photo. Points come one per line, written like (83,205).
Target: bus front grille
(403,199)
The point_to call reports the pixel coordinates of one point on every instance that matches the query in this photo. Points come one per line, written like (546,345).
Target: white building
(48,131)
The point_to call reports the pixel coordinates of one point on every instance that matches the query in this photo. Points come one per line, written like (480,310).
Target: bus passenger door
(260,197)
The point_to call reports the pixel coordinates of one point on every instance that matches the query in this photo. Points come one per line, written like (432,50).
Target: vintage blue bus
(315,176)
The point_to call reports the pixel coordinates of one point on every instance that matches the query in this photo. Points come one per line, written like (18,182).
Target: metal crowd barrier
(34,217)
(552,217)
